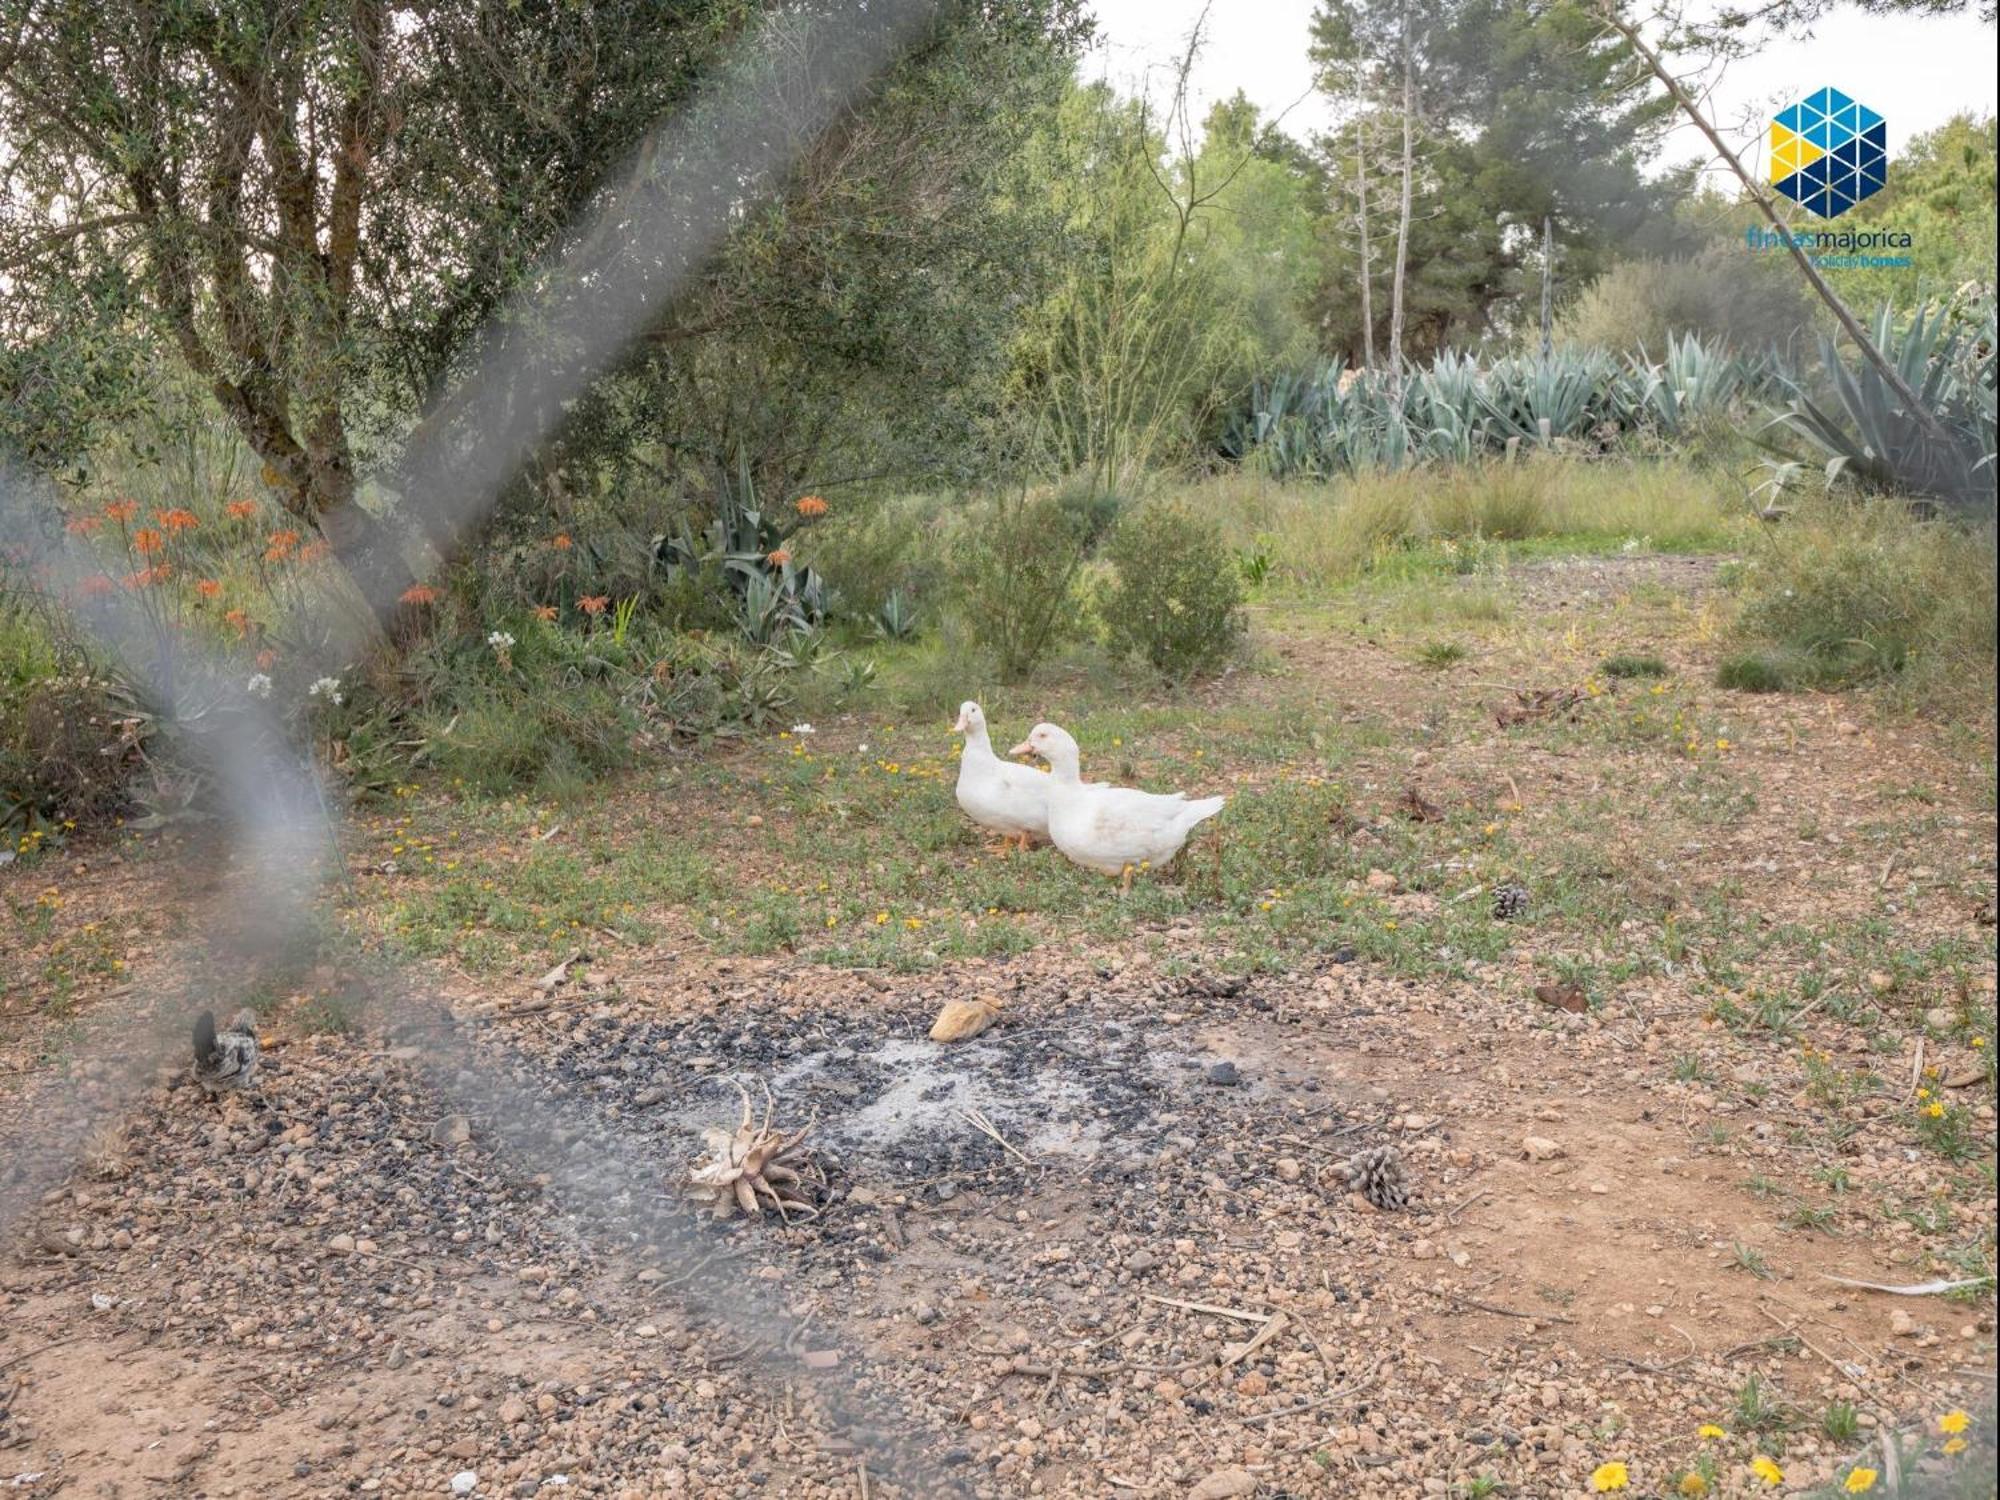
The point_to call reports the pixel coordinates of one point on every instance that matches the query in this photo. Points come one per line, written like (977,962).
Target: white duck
(1005,798)
(1114,830)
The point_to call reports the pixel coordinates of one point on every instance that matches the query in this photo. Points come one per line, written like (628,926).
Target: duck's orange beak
(1024,748)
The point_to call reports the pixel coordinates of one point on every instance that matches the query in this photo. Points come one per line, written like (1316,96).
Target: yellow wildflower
(1954,1421)
(1612,1476)
(1692,1484)
(1955,1446)
(1708,1432)
(1767,1470)
(1860,1481)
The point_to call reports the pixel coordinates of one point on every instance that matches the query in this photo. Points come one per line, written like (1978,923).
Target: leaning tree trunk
(1367,260)
(1759,195)
(1396,286)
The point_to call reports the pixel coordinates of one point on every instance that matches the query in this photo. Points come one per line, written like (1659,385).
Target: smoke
(650,231)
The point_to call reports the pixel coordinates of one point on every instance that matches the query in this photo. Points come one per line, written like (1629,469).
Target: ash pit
(1106,1095)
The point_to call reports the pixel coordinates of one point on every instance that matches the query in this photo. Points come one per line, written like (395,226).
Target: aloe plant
(1854,421)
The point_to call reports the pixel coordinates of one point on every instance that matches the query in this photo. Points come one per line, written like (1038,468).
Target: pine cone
(1377,1174)
(1509,902)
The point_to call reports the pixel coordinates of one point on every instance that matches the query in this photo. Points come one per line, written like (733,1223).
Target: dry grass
(1320,534)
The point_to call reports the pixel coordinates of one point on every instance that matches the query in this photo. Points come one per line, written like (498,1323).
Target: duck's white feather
(1113,829)
(1000,795)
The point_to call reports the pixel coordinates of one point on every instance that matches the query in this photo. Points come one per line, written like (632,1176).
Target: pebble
(1224,1074)
(1224,1484)
(464,1482)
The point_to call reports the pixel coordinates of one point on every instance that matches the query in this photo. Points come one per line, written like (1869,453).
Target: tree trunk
(1367,261)
(1403,212)
(1925,417)
(1548,287)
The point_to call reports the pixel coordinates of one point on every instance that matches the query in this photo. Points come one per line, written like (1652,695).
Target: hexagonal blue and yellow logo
(1828,152)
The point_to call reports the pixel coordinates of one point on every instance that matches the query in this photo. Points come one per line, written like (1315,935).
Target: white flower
(499,640)
(258,686)
(802,729)
(863,750)
(327,688)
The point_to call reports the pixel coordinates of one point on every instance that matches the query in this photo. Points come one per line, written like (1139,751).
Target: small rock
(452,1130)
(1541,1148)
(1225,1484)
(1901,1324)
(464,1482)
(1381,880)
(341,1244)
(1287,1168)
(1224,1074)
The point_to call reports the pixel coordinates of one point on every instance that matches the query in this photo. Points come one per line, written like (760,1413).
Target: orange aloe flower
(561,541)
(593,604)
(777,557)
(314,550)
(241,510)
(280,545)
(420,594)
(240,618)
(545,612)
(146,541)
(122,511)
(208,588)
(810,506)
(266,659)
(178,519)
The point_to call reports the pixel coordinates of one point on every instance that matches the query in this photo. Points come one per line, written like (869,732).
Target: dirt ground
(1103,1249)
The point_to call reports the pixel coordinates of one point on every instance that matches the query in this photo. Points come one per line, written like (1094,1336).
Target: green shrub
(1856,592)
(1175,599)
(1748,302)
(871,551)
(63,757)
(1017,577)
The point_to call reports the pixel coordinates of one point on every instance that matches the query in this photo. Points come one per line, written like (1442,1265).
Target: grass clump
(1846,593)
(1632,666)
(1762,672)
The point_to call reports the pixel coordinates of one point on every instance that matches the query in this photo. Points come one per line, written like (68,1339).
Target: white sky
(1917,72)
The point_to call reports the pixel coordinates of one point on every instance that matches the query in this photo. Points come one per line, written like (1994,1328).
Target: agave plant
(896,620)
(1862,430)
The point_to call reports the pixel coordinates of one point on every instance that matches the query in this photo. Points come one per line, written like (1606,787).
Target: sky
(1917,72)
